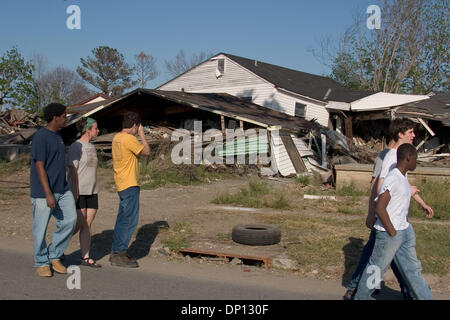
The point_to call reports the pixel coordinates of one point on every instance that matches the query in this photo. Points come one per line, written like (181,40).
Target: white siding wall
(280,156)
(313,111)
(203,79)
(239,82)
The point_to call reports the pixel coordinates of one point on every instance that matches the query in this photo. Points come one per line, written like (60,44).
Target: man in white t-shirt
(400,131)
(400,135)
(395,238)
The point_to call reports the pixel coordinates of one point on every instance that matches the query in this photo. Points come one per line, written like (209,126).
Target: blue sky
(279,32)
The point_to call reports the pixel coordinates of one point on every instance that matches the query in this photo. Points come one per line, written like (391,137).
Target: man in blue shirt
(50,192)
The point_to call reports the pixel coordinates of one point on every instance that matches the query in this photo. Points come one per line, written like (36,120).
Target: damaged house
(285,139)
(361,117)
(292,92)
(312,122)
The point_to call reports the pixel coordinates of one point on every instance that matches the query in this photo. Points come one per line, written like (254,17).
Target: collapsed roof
(216,103)
(437,107)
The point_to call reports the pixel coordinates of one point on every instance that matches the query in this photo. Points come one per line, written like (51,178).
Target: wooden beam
(222,123)
(349,130)
(293,153)
(426,126)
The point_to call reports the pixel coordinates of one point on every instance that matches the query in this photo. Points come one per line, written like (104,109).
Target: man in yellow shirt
(125,151)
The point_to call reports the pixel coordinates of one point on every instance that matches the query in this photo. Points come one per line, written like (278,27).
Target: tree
(180,64)
(61,85)
(107,71)
(408,54)
(40,64)
(145,68)
(17,87)
(431,71)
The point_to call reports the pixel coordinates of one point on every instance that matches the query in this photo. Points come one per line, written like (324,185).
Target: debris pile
(14,120)
(16,130)
(365,152)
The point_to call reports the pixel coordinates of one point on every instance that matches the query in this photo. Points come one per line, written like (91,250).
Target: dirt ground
(172,205)
(166,206)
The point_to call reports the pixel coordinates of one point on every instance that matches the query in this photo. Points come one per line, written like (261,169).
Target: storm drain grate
(247,260)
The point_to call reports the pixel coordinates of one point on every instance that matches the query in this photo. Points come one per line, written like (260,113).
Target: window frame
(304,106)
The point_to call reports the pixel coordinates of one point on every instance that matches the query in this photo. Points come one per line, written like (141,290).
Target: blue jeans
(364,259)
(66,219)
(127,219)
(401,249)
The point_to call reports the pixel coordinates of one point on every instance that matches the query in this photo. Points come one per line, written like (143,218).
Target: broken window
(300,110)
(221,65)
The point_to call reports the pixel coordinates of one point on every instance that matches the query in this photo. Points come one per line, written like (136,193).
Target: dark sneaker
(122,259)
(349,294)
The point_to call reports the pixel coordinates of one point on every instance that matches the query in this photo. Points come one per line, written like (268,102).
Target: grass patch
(256,195)
(352,206)
(328,242)
(158,173)
(176,238)
(432,247)
(20,163)
(155,175)
(351,191)
(304,180)
(10,169)
(346,209)
(436,195)
(277,201)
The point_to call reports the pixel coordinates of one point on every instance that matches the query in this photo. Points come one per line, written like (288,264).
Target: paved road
(156,279)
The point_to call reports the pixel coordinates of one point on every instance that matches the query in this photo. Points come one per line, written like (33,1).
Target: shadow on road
(101,243)
(144,239)
(352,251)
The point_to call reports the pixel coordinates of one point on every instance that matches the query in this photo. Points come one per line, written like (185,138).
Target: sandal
(86,262)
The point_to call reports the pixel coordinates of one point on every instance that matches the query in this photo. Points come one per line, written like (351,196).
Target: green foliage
(107,71)
(304,180)
(178,237)
(326,242)
(436,195)
(17,87)
(257,195)
(409,54)
(155,174)
(351,191)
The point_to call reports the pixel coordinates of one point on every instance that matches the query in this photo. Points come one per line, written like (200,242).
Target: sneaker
(58,267)
(44,271)
(122,259)
(349,294)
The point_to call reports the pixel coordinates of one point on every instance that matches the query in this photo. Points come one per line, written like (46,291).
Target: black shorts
(87,202)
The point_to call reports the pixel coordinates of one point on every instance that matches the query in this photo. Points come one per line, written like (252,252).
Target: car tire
(256,234)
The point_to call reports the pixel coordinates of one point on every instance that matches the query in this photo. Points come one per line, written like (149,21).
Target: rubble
(17,127)
(14,120)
